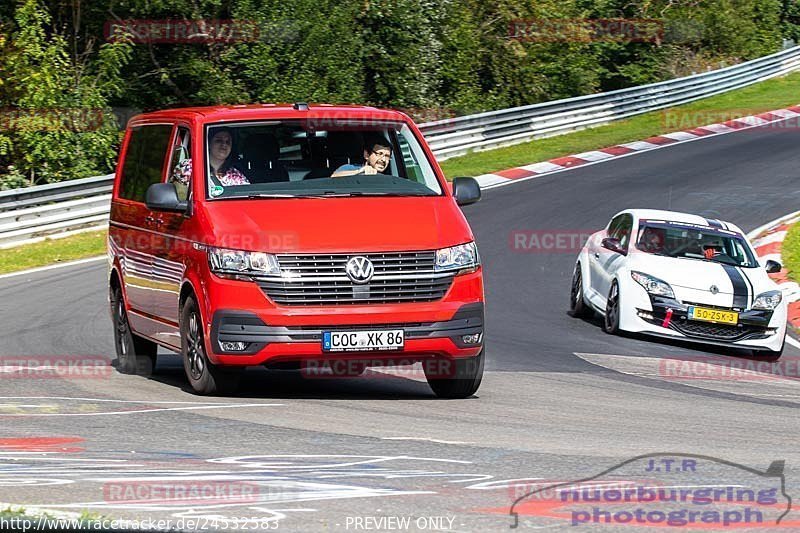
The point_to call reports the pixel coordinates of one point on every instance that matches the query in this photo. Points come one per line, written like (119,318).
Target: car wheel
(462,376)
(135,355)
(203,376)
(611,319)
(577,305)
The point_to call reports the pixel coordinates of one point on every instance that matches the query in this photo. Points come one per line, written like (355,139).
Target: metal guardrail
(460,135)
(33,213)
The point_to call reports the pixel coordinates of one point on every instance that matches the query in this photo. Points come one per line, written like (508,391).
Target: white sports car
(680,276)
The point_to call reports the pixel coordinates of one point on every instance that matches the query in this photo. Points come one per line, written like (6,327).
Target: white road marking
(427,439)
(153,410)
(53,267)
(108,400)
(794,342)
(544,166)
(718,373)
(680,136)
(777,236)
(593,155)
(640,145)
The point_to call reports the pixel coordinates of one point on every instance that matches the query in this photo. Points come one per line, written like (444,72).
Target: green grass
(765,96)
(790,252)
(52,251)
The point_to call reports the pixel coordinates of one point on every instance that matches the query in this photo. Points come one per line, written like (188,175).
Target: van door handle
(597,255)
(150,219)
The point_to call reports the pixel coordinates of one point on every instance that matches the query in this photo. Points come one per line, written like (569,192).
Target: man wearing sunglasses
(377,154)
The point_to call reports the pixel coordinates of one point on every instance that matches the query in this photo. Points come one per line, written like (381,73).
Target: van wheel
(203,376)
(462,382)
(135,355)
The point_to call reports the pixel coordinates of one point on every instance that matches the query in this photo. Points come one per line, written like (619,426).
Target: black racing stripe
(739,286)
(751,291)
(713,223)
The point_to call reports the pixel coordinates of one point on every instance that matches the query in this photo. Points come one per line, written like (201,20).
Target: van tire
(467,377)
(135,355)
(205,377)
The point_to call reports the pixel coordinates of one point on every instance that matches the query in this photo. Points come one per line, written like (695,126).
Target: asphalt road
(561,400)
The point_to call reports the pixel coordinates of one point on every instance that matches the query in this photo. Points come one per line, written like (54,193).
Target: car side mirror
(610,243)
(773,266)
(164,197)
(466,190)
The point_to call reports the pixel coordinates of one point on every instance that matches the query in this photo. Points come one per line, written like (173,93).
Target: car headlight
(224,261)
(767,300)
(653,285)
(461,257)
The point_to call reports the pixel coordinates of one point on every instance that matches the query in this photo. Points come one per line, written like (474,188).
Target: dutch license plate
(713,315)
(362,341)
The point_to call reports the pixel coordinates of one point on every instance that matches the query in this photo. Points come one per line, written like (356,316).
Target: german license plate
(713,315)
(362,341)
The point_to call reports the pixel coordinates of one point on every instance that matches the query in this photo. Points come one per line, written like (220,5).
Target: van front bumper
(239,312)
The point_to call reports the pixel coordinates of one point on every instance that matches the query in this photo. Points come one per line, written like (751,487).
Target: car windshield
(694,242)
(309,158)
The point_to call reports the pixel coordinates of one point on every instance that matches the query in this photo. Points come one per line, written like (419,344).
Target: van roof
(282,111)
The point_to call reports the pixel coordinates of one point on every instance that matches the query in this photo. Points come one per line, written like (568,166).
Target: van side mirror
(773,266)
(164,197)
(614,245)
(466,190)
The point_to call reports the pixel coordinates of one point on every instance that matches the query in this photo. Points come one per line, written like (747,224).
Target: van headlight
(463,257)
(224,261)
(653,285)
(767,301)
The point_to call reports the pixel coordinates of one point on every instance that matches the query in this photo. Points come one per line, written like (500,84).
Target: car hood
(702,275)
(344,225)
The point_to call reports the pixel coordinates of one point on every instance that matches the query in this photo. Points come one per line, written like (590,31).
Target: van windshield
(310,158)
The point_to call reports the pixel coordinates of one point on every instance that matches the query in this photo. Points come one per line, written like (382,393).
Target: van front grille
(323,280)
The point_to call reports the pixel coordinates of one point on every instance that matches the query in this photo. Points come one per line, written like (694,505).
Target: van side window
(181,163)
(144,160)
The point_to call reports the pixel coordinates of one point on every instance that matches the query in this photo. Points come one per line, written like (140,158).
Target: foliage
(59,62)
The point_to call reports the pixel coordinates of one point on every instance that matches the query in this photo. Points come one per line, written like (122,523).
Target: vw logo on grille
(714,289)
(360,269)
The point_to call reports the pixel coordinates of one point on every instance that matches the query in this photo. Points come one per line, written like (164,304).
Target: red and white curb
(767,240)
(560,164)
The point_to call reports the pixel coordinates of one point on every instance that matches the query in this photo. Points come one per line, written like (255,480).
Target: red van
(312,236)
